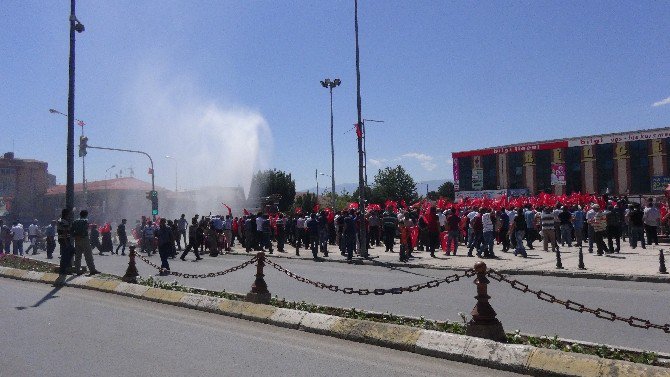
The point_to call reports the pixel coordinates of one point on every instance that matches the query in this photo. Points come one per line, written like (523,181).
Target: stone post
(131,272)
(484,323)
(259,289)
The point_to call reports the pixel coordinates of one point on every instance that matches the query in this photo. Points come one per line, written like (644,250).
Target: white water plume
(214,143)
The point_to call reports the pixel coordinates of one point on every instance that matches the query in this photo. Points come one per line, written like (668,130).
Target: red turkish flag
(359,130)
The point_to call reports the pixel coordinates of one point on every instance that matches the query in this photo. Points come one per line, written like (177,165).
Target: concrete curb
(511,357)
(557,273)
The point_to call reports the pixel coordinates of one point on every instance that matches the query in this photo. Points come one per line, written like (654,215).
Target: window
(543,171)
(573,170)
(465,173)
(639,167)
(516,170)
(490,172)
(605,168)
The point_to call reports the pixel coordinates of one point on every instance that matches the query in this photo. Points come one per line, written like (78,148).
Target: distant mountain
(351,187)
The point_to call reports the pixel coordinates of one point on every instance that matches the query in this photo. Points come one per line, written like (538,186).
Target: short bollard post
(131,272)
(581,259)
(259,290)
(661,262)
(559,264)
(484,323)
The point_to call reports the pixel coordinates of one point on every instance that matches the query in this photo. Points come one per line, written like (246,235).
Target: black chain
(378,291)
(200,276)
(575,306)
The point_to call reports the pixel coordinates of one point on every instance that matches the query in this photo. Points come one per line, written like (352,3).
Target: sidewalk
(629,264)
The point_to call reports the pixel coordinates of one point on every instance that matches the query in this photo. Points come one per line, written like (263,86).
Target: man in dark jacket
(165,243)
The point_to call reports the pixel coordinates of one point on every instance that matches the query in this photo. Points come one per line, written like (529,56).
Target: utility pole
(360,131)
(77,26)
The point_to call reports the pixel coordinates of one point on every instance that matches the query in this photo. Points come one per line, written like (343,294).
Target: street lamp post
(176,169)
(327,83)
(77,26)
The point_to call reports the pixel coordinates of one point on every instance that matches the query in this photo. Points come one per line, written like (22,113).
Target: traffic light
(83,143)
(154,202)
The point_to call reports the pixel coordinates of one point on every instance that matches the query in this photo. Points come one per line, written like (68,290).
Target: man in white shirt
(592,236)
(17,238)
(33,232)
(652,220)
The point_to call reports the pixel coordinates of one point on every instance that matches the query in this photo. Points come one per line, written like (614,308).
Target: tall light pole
(77,26)
(176,169)
(83,157)
(360,131)
(330,85)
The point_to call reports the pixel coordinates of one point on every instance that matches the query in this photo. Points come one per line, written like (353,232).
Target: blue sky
(228,87)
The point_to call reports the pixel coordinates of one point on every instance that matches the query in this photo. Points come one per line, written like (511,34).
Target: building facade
(23,183)
(627,163)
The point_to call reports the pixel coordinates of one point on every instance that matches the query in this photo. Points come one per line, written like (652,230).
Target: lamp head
(337,82)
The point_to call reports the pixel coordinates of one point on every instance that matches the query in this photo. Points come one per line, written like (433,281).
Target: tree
(394,184)
(342,199)
(272,183)
(306,202)
(446,190)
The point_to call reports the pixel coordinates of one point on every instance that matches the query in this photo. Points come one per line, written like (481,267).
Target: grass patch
(15,261)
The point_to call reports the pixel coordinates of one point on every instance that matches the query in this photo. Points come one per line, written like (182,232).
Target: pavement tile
(551,361)
(382,334)
(191,300)
(290,318)
(318,323)
(247,310)
(441,344)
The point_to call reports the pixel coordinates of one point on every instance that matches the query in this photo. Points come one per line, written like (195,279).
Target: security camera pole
(75,25)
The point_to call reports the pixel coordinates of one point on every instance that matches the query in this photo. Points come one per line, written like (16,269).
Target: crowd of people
(600,224)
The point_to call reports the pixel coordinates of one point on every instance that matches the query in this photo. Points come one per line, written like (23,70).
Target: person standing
(477,233)
(453,229)
(266,230)
(122,236)
(299,233)
(17,238)
(182,225)
(165,238)
(547,220)
(50,234)
(652,220)
(374,229)
(349,233)
(389,224)
(613,229)
(312,229)
(635,218)
(192,241)
(518,228)
(531,232)
(281,232)
(599,224)
(33,233)
(488,235)
(565,220)
(82,244)
(503,220)
(148,238)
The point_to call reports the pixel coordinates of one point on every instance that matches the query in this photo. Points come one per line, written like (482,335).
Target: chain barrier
(575,306)
(379,291)
(199,276)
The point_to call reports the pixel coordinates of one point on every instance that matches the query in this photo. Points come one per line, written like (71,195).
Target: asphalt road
(515,309)
(68,331)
